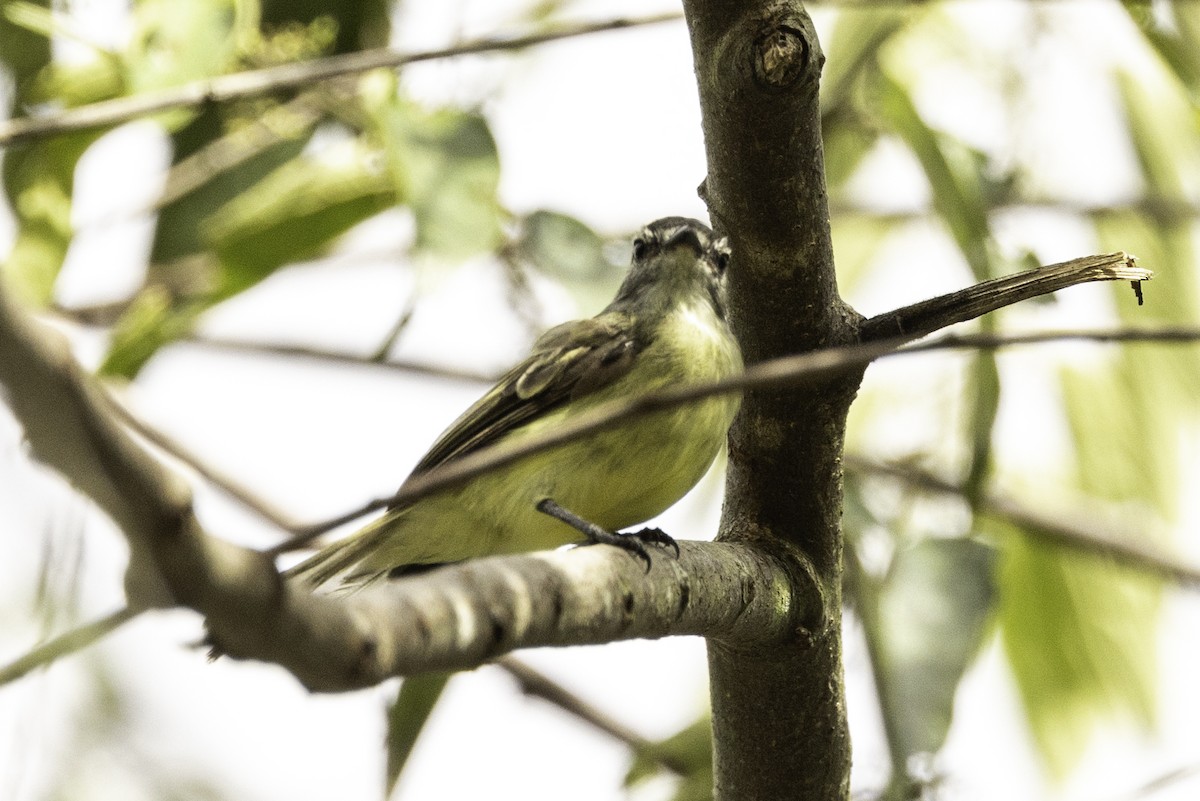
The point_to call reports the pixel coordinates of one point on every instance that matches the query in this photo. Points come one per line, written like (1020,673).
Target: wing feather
(568,362)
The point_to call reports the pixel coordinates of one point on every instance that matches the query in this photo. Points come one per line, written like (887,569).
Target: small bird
(665,327)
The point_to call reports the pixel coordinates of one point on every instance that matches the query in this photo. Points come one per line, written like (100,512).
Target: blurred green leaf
(407,718)
(852,45)
(690,749)
(567,250)
(957,177)
(1080,633)
(446,168)
(983,393)
(359,24)
(150,322)
(1081,641)
(857,239)
(76,84)
(847,139)
(294,213)
(1126,423)
(1173,30)
(954,172)
(175,41)
(1164,129)
(34,18)
(1164,126)
(851,52)
(38,176)
(563,247)
(935,607)
(1125,438)
(38,181)
(178,233)
(25,51)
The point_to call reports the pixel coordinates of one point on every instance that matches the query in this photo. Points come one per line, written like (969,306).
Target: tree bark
(779,718)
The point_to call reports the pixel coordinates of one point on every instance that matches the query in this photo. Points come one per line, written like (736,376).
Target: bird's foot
(634,541)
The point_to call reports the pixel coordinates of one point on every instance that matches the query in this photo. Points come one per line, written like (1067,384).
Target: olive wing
(568,362)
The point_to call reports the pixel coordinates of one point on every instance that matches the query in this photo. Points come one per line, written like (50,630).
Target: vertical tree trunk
(779,716)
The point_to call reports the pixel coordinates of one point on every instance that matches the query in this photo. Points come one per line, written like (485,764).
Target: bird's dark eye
(641,248)
(722,260)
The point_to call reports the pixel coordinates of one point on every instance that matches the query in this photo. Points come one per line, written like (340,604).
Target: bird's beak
(685,235)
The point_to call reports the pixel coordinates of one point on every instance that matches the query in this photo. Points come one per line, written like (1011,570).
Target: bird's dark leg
(635,541)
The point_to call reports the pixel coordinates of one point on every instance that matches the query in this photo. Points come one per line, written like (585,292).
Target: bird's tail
(340,558)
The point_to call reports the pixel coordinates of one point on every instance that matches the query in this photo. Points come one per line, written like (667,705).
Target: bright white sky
(606,128)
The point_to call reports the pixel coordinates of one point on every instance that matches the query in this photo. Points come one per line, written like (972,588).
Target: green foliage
(850,53)
(689,752)
(935,606)
(150,322)
(406,719)
(1079,633)
(292,214)
(38,177)
(1080,638)
(1173,30)
(924,619)
(176,41)
(39,180)
(567,250)
(955,173)
(446,169)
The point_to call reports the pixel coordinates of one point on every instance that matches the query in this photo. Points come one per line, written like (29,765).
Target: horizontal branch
(1082,530)
(107,314)
(1154,206)
(336,357)
(254,83)
(463,615)
(931,315)
(456,617)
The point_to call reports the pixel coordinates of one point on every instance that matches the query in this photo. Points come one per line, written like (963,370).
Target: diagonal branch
(254,83)
(931,315)
(534,683)
(1080,531)
(68,643)
(785,373)
(176,449)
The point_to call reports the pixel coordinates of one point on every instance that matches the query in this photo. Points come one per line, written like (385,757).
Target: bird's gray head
(675,257)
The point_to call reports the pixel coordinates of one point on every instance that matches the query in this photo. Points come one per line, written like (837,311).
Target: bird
(665,327)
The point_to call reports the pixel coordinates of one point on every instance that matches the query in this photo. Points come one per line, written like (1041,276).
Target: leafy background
(415,230)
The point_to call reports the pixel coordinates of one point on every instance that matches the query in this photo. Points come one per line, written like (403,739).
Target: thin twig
(106,314)
(934,314)
(350,359)
(776,374)
(536,683)
(1080,531)
(253,83)
(64,644)
(176,449)
(1162,782)
(1156,207)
